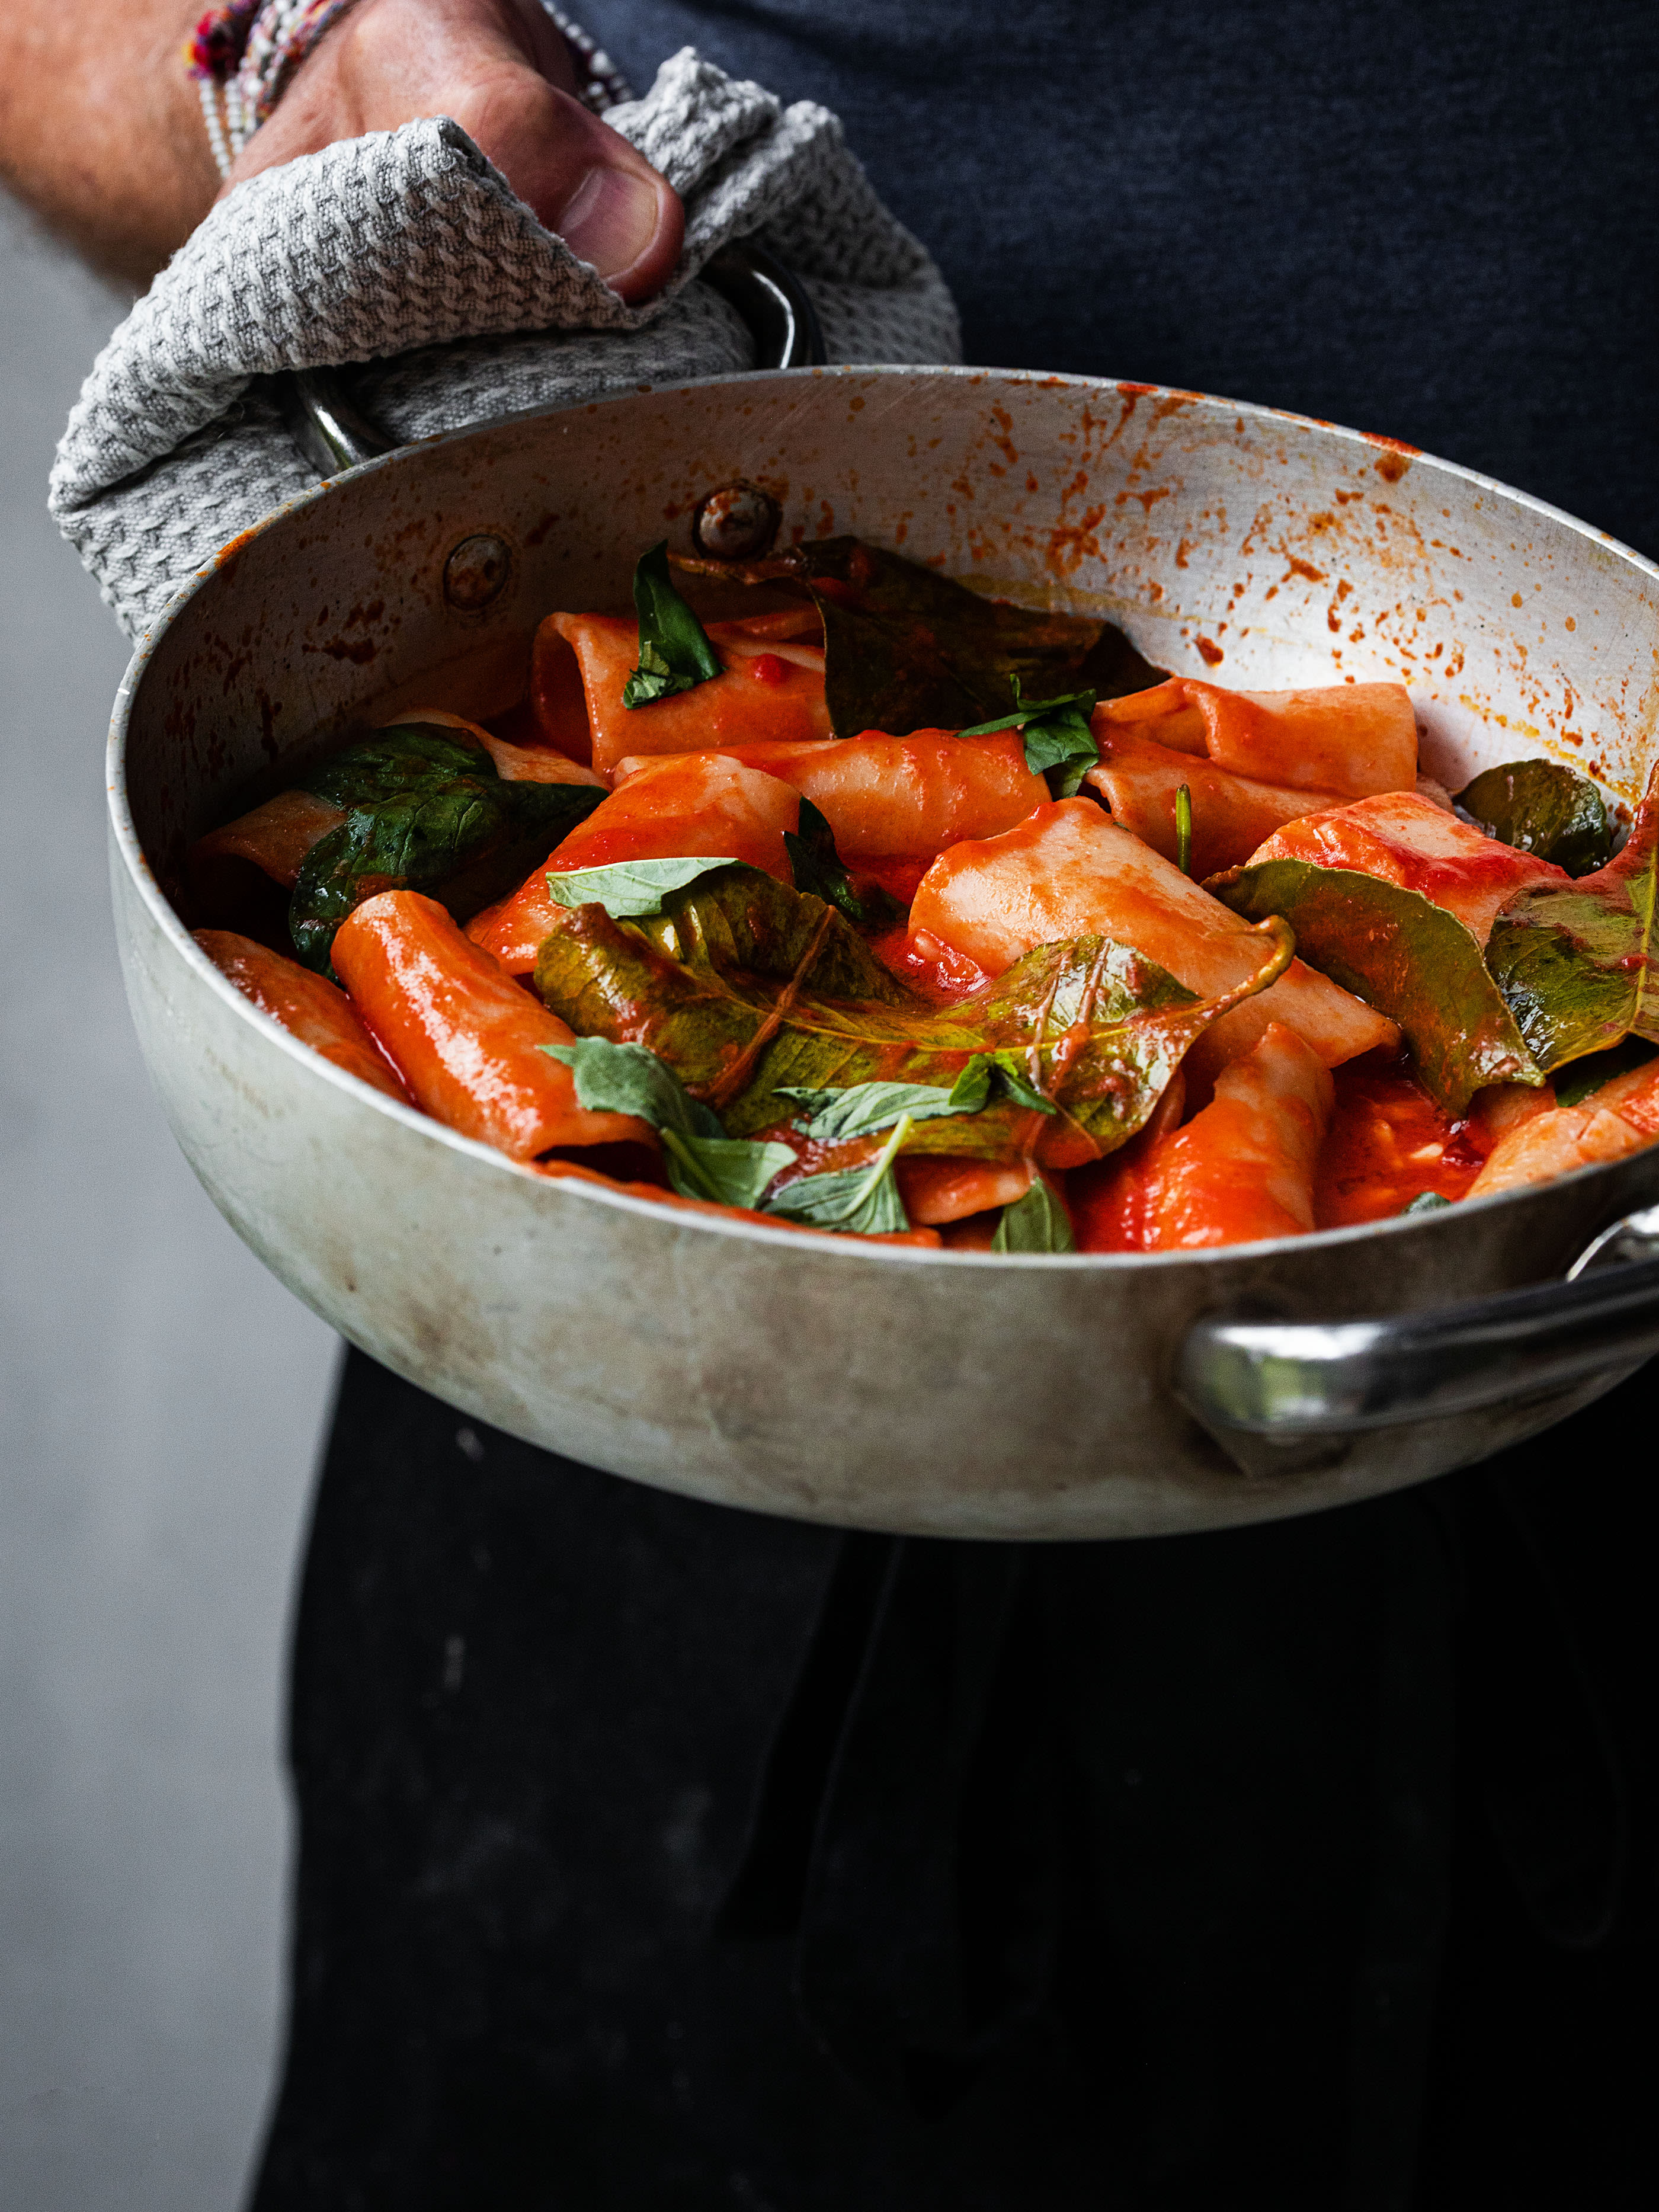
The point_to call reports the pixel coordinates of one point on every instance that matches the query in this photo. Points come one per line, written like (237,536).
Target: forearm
(101,129)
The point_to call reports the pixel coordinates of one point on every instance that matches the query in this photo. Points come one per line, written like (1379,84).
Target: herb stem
(1184,829)
(886,1157)
(674,1143)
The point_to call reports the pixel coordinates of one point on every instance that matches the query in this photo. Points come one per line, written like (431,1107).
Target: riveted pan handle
(1286,1381)
(334,435)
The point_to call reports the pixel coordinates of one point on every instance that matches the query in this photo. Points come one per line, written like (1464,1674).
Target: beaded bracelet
(243,54)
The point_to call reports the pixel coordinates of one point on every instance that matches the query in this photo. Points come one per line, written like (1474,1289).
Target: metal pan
(883,1386)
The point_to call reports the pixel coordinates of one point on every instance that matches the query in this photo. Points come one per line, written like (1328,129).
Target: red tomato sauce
(1388,1142)
(928,967)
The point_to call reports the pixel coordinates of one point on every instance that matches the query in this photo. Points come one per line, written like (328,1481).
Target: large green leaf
(405,757)
(757,1007)
(740,920)
(1403,954)
(1575,962)
(1543,807)
(464,840)
(905,648)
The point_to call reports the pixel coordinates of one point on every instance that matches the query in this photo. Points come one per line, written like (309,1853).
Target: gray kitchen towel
(407,250)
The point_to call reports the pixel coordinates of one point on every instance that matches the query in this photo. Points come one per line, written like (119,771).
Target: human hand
(500,69)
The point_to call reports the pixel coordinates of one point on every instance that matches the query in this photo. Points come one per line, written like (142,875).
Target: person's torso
(1429,220)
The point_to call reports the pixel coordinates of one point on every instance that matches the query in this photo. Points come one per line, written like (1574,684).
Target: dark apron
(653,1855)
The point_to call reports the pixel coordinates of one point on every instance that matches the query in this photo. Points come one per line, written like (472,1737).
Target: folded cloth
(408,248)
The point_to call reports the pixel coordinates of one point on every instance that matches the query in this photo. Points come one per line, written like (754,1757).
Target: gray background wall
(161,1404)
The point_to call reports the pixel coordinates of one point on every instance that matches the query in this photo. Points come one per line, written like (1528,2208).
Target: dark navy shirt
(1436,221)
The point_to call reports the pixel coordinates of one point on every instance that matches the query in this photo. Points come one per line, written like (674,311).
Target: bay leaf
(907,648)
(1544,807)
(1576,962)
(1409,958)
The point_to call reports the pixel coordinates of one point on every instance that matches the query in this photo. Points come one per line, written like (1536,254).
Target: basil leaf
(1062,748)
(1015,1083)
(905,648)
(861,1201)
(464,840)
(627,1079)
(1183,812)
(833,1116)
(675,653)
(1036,1223)
(1031,710)
(1058,742)
(1543,807)
(1409,958)
(627,888)
(1578,962)
(729,1170)
(1426,1201)
(1586,1076)
(406,756)
(817,867)
(972,1089)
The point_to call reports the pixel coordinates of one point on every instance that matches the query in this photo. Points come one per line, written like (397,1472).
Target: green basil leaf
(627,888)
(1014,1081)
(675,653)
(1543,807)
(745,920)
(905,648)
(1059,741)
(861,1201)
(971,1093)
(1403,954)
(1578,962)
(464,840)
(1031,710)
(626,1079)
(817,867)
(1426,1201)
(1585,1077)
(1036,1223)
(405,757)
(1061,747)
(834,1116)
(729,1170)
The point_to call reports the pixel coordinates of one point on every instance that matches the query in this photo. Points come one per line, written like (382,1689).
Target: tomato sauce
(1388,1143)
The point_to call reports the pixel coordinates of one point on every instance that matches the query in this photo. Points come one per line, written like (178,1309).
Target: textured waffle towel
(408,250)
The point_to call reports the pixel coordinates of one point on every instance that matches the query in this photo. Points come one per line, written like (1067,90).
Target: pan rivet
(736,523)
(476,573)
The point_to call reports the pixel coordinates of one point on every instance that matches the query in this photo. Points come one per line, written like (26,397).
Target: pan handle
(1284,1381)
(334,435)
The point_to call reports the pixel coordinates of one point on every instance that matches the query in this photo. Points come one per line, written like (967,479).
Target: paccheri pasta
(892,911)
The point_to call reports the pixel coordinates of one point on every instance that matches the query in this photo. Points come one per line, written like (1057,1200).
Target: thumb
(581,179)
(482,63)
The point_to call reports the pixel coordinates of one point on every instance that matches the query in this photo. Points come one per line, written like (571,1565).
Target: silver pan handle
(1284,1381)
(334,435)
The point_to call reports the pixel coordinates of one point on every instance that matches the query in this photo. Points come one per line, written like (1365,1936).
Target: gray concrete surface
(161,1400)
